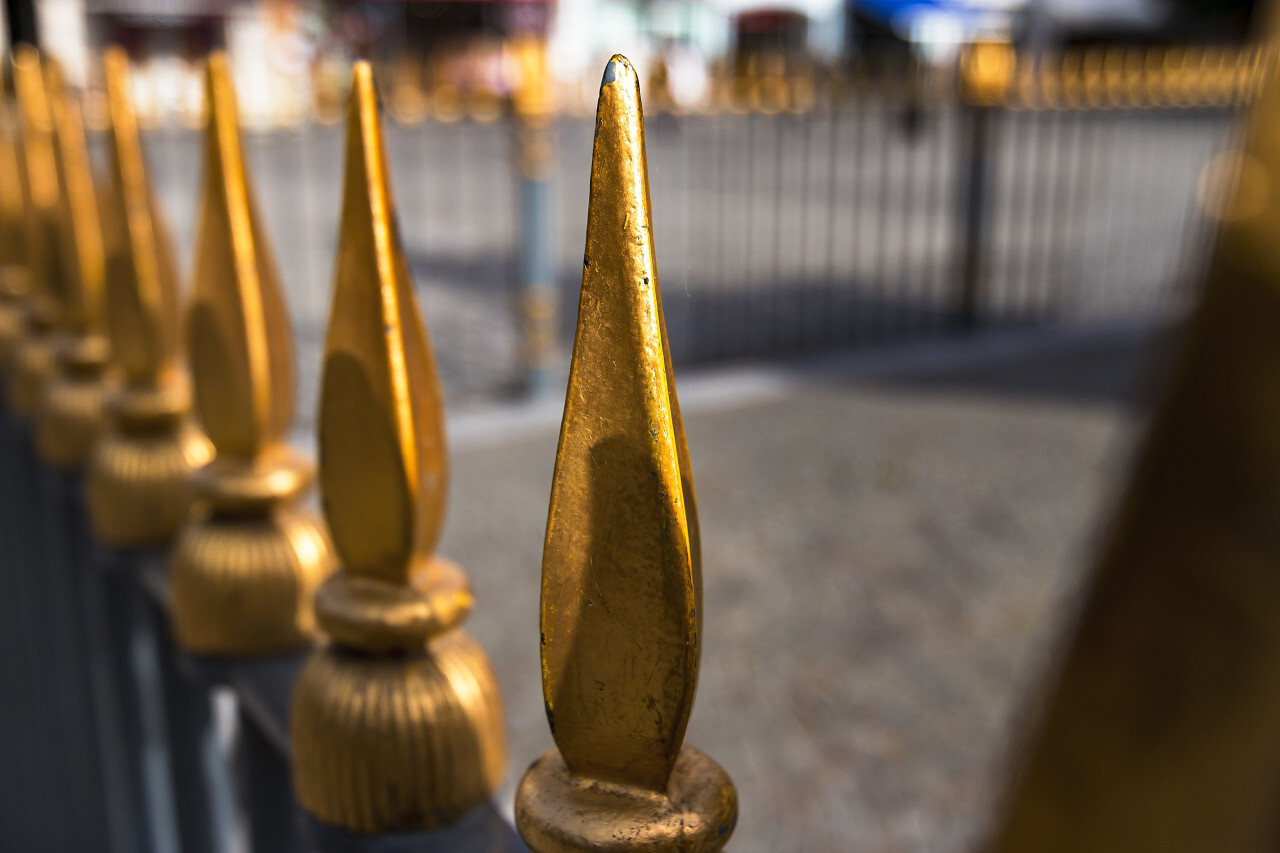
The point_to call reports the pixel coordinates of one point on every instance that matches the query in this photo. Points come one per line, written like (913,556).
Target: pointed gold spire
(621,578)
(406,733)
(240,342)
(1158,728)
(15,273)
(383,475)
(243,576)
(70,419)
(138,482)
(142,301)
(34,353)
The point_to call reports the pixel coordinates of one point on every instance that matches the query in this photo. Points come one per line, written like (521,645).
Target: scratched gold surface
(383,474)
(1158,728)
(620,574)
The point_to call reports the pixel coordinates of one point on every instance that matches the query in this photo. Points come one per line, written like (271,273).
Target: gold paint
(71,418)
(138,481)
(34,351)
(397,723)
(243,574)
(1158,730)
(621,574)
(987,70)
(16,282)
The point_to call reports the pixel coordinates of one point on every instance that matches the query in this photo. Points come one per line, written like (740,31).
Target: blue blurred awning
(905,16)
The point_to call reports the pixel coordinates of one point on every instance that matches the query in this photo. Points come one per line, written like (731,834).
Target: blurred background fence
(778,233)
(802,204)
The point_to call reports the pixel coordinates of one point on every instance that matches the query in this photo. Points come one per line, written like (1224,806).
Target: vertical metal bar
(202,795)
(35,626)
(97,744)
(266,790)
(132,670)
(974,215)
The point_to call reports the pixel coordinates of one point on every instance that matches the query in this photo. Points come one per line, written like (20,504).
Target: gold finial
(138,484)
(1158,730)
(243,576)
(987,70)
(407,733)
(70,419)
(15,273)
(621,577)
(142,301)
(34,352)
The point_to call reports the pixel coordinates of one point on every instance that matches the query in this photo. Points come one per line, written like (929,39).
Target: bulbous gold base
(139,488)
(558,811)
(244,586)
(71,420)
(34,360)
(397,744)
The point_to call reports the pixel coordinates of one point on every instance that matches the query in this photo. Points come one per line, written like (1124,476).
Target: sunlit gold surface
(1158,730)
(34,351)
(621,578)
(138,481)
(16,281)
(397,723)
(71,417)
(244,573)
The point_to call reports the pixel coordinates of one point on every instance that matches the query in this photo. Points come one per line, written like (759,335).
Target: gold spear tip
(621,577)
(240,343)
(621,476)
(141,293)
(382,451)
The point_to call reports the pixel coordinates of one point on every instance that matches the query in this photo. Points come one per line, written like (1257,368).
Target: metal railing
(150,564)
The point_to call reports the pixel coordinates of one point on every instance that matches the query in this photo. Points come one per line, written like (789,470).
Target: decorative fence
(149,561)
(789,225)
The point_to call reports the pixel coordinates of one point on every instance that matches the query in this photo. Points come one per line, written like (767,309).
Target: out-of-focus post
(535,162)
(397,721)
(986,70)
(139,495)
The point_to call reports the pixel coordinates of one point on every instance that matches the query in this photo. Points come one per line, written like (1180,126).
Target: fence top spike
(13,245)
(383,474)
(240,343)
(79,289)
(36,129)
(621,578)
(142,296)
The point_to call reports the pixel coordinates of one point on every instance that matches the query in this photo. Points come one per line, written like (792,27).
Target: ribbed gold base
(139,485)
(244,586)
(71,421)
(560,812)
(397,744)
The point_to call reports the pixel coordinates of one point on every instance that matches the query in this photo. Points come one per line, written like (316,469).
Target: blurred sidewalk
(888,542)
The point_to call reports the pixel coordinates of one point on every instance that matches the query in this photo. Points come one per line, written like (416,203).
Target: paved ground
(889,542)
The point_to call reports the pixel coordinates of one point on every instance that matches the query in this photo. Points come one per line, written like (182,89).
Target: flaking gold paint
(621,572)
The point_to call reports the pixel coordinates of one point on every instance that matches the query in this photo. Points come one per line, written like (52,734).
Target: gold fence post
(397,723)
(244,571)
(16,280)
(35,350)
(138,485)
(70,419)
(1158,730)
(621,574)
